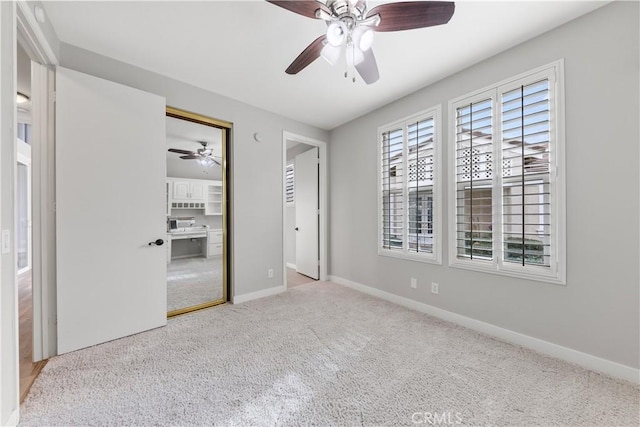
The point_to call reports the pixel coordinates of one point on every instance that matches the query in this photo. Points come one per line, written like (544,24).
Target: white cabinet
(196,192)
(213,202)
(187,193)
(214,243)
(181,190)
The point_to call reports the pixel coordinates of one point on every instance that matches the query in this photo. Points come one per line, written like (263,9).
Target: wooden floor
(294,278)
(29,370)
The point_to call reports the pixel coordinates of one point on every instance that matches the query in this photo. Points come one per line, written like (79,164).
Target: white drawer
(214,237)
(214,249)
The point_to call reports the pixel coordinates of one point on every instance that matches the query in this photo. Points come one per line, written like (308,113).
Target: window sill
(426,258)
(491,268)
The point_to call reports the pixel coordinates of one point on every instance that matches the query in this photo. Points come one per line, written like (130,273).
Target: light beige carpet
(193,281)
(321,355)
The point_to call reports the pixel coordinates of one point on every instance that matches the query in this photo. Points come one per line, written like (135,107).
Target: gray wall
(598,311)
(256,168)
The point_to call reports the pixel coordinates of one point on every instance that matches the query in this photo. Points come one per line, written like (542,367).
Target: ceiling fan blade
(306,8)
(308,55)
(368,69)
(216,162)
(190,157)
(409,15)
(175,150)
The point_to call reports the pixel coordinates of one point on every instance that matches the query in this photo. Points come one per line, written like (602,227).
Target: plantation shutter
(289,183)
(392,183)
(526,205)
(420,153)
(473,180)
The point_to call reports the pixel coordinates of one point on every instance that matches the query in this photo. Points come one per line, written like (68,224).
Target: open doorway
(304,210)
(29,368)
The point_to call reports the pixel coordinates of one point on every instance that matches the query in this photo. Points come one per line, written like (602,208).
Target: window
(409,192)
(289,184)
(507,189)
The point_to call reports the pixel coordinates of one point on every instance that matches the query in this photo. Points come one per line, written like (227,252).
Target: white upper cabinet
(181,190)
(196,194)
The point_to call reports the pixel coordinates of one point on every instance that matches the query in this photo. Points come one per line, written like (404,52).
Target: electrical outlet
(413,283)
(270,273)
(435,288)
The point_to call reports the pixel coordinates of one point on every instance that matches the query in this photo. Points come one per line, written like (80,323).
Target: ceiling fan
(203,155)
(350,24)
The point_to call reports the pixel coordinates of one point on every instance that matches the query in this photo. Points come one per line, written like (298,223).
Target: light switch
(6,241)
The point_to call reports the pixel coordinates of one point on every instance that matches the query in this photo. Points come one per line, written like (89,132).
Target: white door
(306,197)
(110,191)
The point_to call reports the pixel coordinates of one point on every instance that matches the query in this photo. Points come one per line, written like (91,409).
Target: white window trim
(435,257)
(557,273)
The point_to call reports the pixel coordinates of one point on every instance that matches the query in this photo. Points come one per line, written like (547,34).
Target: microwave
(177,223)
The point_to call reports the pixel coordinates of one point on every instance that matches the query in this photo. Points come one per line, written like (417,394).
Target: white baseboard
(291,265)
(13,418)
(239,299)
(585,360)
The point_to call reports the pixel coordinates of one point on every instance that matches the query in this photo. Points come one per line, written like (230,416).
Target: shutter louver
(526,206)
(474,176)
(290,184)
(392,184)
(420,150)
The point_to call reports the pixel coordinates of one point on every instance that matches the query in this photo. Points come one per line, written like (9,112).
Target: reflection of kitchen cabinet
(169,189)
(213,202)
(214,243)
(188,191)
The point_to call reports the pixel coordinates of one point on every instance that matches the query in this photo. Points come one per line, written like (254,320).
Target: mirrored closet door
(196,211)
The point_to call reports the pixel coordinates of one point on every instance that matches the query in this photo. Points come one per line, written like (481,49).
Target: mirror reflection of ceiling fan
(203,155)
(350,24)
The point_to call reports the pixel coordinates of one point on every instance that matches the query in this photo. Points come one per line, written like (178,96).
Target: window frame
(434,113)
(556,273)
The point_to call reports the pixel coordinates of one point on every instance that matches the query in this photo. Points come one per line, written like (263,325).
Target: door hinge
(52,95)
(318,211)
(318,263)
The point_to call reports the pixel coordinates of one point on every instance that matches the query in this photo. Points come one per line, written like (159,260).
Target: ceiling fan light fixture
(331,53)
(336,33)
(363,37)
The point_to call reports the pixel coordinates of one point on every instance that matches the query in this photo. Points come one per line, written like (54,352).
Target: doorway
(196,211)
(30,365)
(304,210)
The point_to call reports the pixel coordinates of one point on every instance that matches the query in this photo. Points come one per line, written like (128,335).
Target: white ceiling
(240,49)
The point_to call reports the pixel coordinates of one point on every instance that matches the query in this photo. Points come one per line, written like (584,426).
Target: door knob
(158,242)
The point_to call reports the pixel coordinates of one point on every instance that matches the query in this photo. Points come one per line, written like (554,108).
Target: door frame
(322,193)
(43,265)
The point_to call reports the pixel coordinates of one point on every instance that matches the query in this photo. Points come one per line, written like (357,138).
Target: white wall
(8,298)
(598,311)
(256,168)
(179,168)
